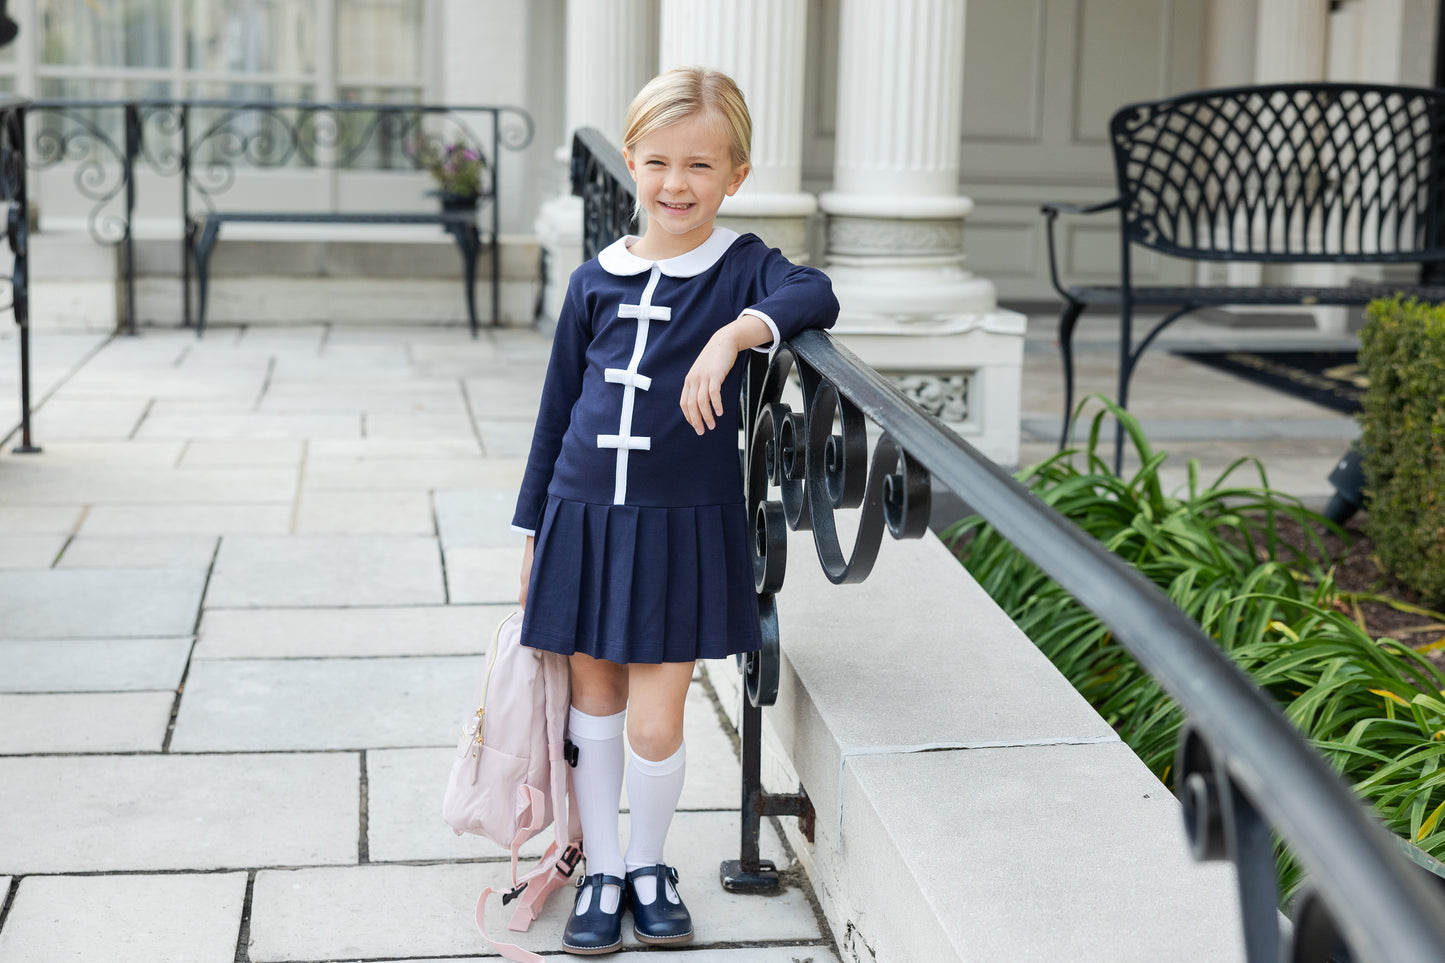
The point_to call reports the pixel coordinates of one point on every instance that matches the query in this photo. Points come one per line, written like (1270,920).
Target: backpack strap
(510,951)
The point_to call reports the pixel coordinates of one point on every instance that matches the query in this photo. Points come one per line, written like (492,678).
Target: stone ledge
(970,805)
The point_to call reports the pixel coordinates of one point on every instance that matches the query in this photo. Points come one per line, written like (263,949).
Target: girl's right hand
(526,572)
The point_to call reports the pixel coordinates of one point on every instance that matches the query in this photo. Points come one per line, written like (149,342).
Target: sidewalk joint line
(243,932)
(363,843)
(8,900)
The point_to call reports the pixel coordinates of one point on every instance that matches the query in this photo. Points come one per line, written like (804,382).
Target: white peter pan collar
(617,258)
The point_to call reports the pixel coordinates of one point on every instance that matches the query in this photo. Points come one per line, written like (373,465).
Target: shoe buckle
(568,861)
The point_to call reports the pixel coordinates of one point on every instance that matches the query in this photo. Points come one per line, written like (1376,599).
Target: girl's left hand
(702,400)
(702,389)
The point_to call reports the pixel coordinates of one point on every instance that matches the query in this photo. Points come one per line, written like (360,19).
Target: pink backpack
(511,776)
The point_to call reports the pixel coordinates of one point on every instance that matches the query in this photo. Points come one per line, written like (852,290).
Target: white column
(895,245)
(761,45)
(611,51)
(1290,38)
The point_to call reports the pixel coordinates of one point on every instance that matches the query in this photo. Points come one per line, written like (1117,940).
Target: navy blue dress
(641,551)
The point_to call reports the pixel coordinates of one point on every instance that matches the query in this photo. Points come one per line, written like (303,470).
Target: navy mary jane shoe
(662,920)
(595,931)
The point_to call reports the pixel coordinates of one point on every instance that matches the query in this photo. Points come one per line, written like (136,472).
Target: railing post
(188,230)
(18,228)
(132,150)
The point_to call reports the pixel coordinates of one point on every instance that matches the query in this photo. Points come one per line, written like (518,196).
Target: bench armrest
(1051,211)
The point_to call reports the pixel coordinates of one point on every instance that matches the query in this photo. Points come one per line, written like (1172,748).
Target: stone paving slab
(87,454)
(410,395)
(425,474)
(81,814)
(53,483)
(118,603)
(365,513)
(398,910)
(139,551)
(64,419)
(356,450)
(235,453)
(423,424)
(506,439)
(189,918)
(480,575)
(40,519)
(280,704)
(96,665)
(216,519)
(84,722)
(504,399)
(477,519)
(260,571)
(188,425)
(320,632)
(30,551)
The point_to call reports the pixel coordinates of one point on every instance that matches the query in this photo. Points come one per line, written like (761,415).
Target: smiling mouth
(675,207)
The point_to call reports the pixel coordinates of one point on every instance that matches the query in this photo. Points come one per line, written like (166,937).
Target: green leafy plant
(1373,707)
(1402,349)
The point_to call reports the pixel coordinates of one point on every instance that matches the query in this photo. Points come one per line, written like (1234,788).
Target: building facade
(902,145)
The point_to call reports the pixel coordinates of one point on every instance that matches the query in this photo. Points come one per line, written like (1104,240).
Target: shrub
(1402,349)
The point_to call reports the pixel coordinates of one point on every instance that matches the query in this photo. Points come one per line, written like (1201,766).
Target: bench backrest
(1289,172)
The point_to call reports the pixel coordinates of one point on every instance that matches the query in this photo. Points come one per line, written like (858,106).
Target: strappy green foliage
(1373,706)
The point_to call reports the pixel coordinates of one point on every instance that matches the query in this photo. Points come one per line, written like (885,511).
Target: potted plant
(457,167)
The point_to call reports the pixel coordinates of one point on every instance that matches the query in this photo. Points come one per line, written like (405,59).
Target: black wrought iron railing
(17,234)
(1243,771)
(204,144)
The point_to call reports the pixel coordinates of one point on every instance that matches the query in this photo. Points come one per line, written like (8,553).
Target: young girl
(637,560)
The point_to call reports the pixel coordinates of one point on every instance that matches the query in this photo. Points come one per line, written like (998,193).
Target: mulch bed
(1357,570)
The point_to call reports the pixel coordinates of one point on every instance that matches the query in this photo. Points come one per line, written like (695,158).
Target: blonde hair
(680,93)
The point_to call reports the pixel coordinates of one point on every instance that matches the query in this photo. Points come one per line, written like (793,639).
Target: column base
(781,220)
(971,377)
(559,233)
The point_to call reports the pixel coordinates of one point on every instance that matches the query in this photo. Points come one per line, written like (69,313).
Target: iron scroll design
(1245,775)
(599,176)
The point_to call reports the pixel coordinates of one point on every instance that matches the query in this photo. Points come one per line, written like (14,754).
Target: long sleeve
(788,297)
(560,390)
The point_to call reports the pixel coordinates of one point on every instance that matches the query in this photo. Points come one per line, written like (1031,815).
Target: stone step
(970,805)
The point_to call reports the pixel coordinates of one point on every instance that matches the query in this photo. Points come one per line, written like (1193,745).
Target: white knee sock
(653,789)
(597,789)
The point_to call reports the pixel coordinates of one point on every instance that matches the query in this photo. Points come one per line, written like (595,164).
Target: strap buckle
(508,897)
(569,752)
(568,861)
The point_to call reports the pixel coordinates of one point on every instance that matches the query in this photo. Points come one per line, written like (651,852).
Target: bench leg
(469,244)
(1067,320)
(207,243)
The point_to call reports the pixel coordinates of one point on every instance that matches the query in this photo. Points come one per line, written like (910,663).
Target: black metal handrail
(17,234)
(1244,771)
(158,133)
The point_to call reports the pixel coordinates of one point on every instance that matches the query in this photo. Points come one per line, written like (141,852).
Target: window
(227,49)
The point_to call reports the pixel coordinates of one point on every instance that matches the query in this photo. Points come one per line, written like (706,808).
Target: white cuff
(524,531)
(777,338)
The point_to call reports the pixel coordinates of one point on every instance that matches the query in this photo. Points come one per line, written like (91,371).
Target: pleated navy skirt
(631,583)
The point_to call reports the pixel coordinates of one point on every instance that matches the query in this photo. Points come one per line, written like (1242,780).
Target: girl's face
(683,172)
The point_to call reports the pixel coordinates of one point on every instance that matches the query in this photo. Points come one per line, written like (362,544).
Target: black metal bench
(1288,173)
(204,231)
